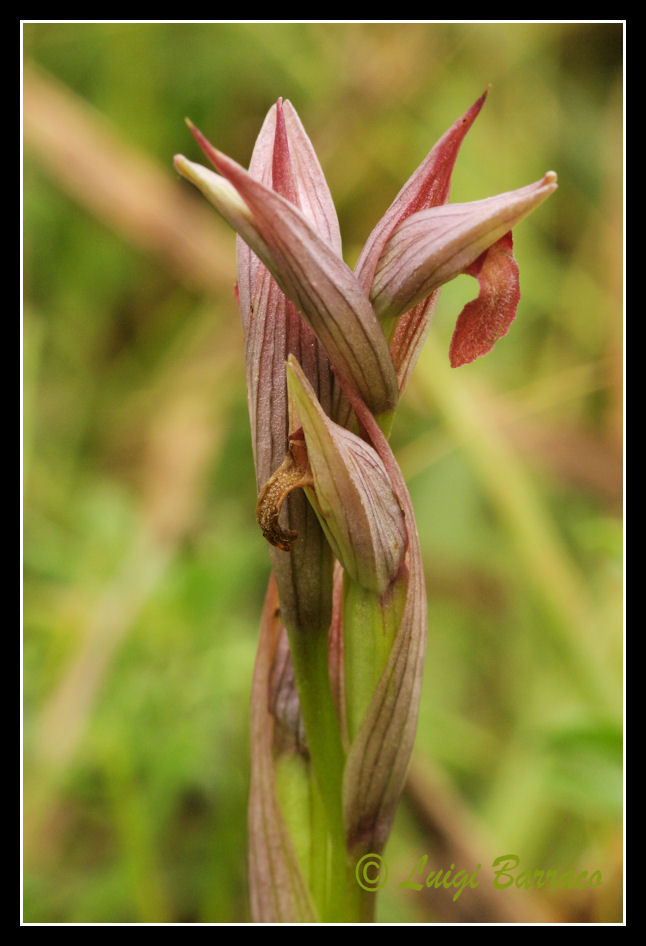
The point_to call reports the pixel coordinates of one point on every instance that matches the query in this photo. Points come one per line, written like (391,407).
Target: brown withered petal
(486,319)
(433,246)
(351,492)
(287,477)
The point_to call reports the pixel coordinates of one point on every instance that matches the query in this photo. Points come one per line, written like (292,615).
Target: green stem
(311,668)
(318,848)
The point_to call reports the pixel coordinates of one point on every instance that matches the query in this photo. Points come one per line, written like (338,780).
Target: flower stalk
(328,353)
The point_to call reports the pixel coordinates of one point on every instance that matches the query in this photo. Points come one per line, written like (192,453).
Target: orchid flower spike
(328,352)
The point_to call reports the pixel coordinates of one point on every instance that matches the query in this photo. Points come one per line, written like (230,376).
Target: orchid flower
(328,353)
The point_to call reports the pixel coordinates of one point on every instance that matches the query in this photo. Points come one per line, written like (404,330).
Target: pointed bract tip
(204,143)
(474,111)
(484,95)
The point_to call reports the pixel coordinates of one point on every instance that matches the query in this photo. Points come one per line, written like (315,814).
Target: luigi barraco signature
(506,874)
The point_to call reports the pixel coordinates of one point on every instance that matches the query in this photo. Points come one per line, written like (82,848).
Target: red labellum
(486,319)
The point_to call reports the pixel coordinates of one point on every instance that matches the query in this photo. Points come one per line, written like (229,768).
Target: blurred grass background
(144,572)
